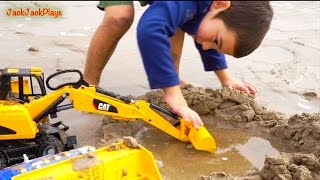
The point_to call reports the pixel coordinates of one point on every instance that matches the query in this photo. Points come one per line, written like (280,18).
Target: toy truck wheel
(49,145)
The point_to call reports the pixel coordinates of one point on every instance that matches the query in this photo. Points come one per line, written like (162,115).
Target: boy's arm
(215,61)
(157,24)
(212,59)
(228,81)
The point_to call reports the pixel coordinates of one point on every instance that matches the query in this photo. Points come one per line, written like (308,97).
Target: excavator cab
(19,84)
(19,133)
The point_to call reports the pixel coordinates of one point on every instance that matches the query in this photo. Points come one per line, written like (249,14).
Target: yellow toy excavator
(25,109)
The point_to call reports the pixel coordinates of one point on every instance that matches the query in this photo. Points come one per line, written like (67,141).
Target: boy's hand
(178,104)
(189,115)
(242,86)
(227,81)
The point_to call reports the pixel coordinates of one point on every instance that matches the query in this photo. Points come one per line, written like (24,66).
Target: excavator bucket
(182,130)
(199,138)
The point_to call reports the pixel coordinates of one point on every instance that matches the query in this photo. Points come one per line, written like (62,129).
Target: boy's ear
(218,6)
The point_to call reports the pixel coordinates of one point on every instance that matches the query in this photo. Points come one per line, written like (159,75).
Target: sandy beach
(285,68)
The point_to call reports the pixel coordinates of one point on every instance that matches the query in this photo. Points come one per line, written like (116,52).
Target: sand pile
(299,134)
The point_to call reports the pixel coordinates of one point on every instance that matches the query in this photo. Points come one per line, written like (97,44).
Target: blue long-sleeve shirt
(157,24)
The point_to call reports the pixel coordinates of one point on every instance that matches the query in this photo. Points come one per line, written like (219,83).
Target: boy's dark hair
(250,20)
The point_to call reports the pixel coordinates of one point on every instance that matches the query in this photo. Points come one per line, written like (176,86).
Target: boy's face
(213,34)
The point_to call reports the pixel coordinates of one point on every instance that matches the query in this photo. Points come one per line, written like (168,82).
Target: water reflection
(255,150)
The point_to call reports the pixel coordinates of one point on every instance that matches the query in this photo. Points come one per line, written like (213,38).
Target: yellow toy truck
(123,160)
(26,109)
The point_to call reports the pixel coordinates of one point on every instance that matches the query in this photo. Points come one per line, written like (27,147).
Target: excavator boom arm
(88,98)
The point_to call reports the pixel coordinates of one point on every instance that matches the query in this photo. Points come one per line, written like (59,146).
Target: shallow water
(237,152)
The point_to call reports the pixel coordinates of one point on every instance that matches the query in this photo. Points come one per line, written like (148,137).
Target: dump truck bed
(118,161)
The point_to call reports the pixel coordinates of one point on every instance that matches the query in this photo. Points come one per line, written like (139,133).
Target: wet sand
(252,141)
(286,69)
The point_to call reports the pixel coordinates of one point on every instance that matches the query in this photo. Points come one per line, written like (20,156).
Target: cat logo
(103,106)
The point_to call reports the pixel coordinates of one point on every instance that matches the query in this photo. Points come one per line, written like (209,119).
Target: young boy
(235,28)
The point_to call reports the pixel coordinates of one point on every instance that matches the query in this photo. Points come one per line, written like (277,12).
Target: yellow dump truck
(123,160)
